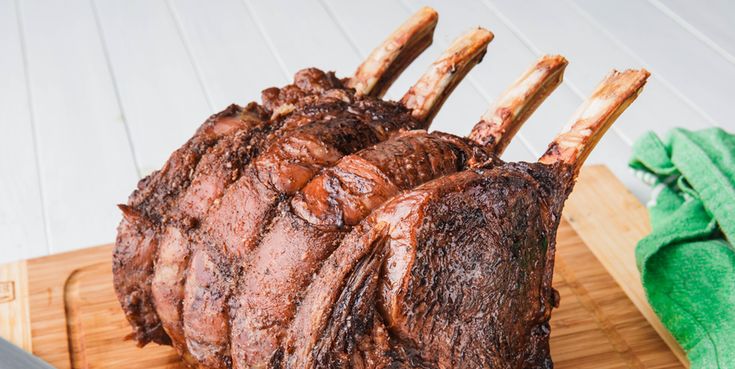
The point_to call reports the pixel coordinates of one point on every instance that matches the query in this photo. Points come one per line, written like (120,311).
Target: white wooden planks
(711,22)
(96,92)
(85,160)
(592,54)
(228,49)
(304,36)
(160,92)
(699,72)
(22,227)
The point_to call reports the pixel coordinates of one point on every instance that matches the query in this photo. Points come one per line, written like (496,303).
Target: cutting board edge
(14,284)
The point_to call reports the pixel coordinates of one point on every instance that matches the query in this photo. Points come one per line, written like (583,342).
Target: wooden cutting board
(63,308)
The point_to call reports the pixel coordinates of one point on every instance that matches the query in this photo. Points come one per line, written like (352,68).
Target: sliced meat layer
(232,227)
(154,204)
(470,283)
(148,208)
(461,285)
(219,168)
(291,249)
(344,194)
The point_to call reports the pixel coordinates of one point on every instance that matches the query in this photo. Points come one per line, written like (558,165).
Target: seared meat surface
(436,287)
(325,227)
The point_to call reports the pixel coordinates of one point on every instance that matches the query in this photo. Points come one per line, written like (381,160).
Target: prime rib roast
(326,228)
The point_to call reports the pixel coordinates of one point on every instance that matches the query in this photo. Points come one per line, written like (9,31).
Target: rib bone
(360,182)
(426,97)
(592,119)
(518,102)
(386,62)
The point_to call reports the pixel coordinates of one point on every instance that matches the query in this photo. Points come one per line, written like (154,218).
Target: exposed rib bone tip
(428,94)
(392,56)
(503,119)
(596,114)
(553,61)
(470,43)
(427,13)
(473,39)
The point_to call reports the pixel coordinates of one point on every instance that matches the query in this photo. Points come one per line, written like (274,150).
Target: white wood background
(95,94)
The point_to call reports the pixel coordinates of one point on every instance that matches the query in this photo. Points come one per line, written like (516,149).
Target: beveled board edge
(15,324)
(614,247)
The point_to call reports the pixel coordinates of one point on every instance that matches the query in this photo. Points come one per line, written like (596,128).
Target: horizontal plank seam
(342,28)
(271,45)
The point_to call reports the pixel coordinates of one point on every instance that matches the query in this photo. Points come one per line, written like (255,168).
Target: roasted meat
(325,227)
(153,208)
(455,273)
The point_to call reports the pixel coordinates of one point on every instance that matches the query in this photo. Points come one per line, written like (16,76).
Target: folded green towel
(687,264)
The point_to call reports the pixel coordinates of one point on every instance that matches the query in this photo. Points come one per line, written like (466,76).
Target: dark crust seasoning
(307,82)
(223,163)
(384,117)
(341,196)
(149,206)
(354,318)
(136,242)
(156,192)
(479,291)
(296,248)
(351,127)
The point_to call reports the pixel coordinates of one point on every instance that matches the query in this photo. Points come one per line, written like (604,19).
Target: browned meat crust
(148,208)
(233,227)
(153,203)
(444,276)
(262,255)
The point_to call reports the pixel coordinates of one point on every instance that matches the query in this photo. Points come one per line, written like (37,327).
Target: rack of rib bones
(326,228)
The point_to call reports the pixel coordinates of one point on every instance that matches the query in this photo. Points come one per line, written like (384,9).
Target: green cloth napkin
(687,264)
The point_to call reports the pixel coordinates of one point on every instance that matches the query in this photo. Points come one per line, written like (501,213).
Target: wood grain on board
(75,321)
(611,228)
